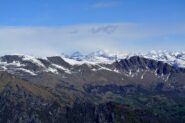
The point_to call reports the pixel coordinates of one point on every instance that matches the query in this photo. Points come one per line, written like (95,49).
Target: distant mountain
(172,58)
(77,56)
(99,56)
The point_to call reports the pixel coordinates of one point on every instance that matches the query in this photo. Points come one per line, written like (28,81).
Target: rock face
(54,90)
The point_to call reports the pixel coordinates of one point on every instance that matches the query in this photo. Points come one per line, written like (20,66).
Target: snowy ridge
(96,61)
(32,59)
(28,64)
(105,57)
(172,58)
(98,57)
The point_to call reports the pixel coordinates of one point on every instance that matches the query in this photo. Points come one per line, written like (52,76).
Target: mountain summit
(101,56)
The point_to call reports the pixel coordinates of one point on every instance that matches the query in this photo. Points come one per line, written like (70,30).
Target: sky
(49,27)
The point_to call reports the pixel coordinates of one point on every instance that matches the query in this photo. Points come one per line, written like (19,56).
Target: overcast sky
(49,27)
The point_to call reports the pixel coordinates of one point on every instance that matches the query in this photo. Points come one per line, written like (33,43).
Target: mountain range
(100,87)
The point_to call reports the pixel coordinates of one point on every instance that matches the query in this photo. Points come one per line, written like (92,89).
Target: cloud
(43,41)
(105,29)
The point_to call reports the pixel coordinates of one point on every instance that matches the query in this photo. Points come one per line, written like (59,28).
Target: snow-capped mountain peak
(77,55)
(172,58)
(100,56)
(104,56)
(99,59)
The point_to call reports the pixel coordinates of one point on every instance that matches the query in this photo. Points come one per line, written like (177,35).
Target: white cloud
(86,38)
